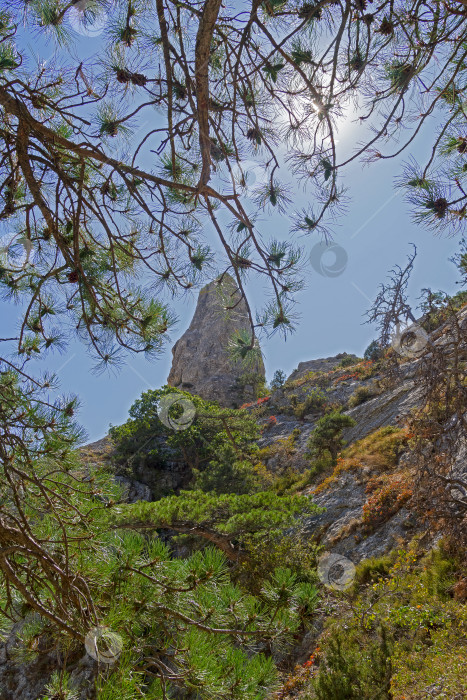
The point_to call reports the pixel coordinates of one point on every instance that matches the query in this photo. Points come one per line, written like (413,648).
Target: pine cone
(309,11)
(138,79)
(386,27)
(73,276)
(123,76)
(112,129)
(254,134)
(180,90)
(440,207)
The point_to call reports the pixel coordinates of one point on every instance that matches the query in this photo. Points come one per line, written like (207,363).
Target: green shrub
(373,352)
(161,607)
(401,634)
(278,380)
(326,438)
(349,674)
(270,552)
(287,482)
(250,385)
(369,570)
(218,440)
(348,361)
(440,572)
(437,306)
(312,402)
(362,394)
(226,474)
(248,528)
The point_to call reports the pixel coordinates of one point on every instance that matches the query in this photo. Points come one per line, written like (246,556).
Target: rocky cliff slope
(366,498)
(287,418)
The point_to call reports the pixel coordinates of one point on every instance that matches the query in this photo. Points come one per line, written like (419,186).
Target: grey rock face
(382,410)
(323,364)
(344,502)
(201,361)
(134,490)
(339,527)
(26,679)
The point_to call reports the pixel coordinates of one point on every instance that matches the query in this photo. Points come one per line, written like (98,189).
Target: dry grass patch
(379,451)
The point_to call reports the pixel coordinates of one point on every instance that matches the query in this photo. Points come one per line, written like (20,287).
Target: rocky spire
(201,361)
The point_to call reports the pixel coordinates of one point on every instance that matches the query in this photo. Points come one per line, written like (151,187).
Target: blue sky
(376,233)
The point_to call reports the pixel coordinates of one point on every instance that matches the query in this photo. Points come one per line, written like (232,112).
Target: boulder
(202,363)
